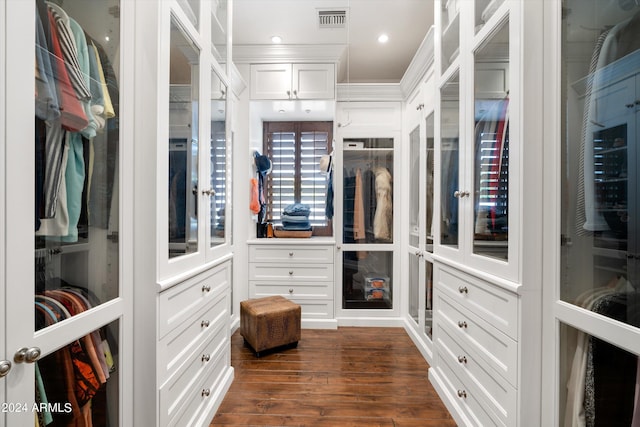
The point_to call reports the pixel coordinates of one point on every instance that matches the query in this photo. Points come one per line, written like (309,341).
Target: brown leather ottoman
(270,323)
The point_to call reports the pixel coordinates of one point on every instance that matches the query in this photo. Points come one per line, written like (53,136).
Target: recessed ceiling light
(276,39)
(383,38)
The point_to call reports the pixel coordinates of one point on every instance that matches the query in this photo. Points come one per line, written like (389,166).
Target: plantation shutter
(295,149)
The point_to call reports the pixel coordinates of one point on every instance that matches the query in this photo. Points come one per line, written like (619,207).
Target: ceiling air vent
(332,18)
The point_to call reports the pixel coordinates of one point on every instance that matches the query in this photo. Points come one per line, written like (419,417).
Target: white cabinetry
(193,331)
(476,340)
(301,270)
(182,215)
(420,173)
(487,300)
(293,81)
(368,145)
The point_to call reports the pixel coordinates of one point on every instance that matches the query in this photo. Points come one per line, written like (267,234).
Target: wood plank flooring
(350,377)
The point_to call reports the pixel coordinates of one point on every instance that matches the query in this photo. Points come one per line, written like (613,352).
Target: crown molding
(256,54)
(369,92)
(420,65)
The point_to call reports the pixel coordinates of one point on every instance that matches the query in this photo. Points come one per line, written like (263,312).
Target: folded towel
(295,218)
(297,209)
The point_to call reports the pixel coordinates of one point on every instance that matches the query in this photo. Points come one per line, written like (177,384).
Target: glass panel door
(449,158)
(600,159)
(429,187)
(76,153)
(219,30)
(414,187)
(218,162)
(368,190)
(183,143)
(491,146)
(450,18)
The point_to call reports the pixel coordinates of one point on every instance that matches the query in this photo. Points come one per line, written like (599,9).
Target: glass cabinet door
(183,143)
(429,184)
(450,24)
(449,160)
(368,190)
(219,30)
(600,216)
(414,187)
(64,283)
(217,191)
(491,146)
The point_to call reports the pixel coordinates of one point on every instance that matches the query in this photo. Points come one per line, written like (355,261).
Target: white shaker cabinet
(293,81)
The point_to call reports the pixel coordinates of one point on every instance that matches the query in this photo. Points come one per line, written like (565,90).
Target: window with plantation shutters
(295,150)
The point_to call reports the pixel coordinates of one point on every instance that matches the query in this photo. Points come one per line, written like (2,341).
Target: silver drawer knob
(462,394)
(291,290)
(462,324)
(206,357)
(27,355)
(5,367)
(206,288)
(290,272)
(463,290)
(204,324)
(206,392)
(290,253)
(462,359)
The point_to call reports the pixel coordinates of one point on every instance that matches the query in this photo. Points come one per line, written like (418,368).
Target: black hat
(263,163)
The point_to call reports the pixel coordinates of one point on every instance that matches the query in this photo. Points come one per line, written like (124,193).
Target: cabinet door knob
(5,367)
(206,288)
(462,394)
(290,253)
(27,355)
(462,324)
(629,105)
(204,324)
(289,93)
(295,93)
(291,273)
(463,290)
(291,290)
(206,392)
(462,359)
(206,357)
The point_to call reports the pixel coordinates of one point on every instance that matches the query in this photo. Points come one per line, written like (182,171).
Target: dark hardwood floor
(350,377)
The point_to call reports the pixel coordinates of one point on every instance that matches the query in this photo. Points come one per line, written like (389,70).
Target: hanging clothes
(383,219)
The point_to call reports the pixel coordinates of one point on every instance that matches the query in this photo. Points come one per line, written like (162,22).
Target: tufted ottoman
(270,323)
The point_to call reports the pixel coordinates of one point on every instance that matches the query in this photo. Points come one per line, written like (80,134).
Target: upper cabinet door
(313,81)
(479,207)
(271,81)
(293,81)
(219,189)
(194,164)
(184,144)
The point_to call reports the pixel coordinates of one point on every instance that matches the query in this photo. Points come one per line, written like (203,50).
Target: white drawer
(177,303)
(181,407)
(294,289)
(496,305)
(291,254)
(290,273)
(494,388)
(496,349)
(472,405)
(182,341)
(315,309)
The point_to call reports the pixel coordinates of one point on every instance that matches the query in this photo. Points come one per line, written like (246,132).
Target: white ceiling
(406,22)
